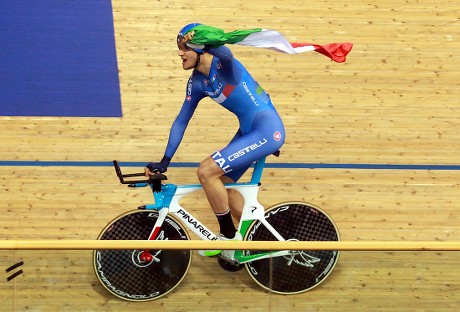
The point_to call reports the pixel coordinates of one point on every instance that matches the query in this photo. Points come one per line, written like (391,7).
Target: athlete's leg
(235,199)
(266,137)
(209,174)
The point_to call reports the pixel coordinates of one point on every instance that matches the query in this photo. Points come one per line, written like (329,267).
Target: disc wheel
(125,274)
(301,270)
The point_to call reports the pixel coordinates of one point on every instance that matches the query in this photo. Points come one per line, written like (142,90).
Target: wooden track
(395,101)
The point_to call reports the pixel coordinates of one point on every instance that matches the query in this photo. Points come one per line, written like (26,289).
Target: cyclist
(218,75)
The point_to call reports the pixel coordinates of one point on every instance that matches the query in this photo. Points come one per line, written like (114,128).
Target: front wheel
(301,270)
(125,273)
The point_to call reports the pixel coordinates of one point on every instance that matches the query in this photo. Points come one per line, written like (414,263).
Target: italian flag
(263,38)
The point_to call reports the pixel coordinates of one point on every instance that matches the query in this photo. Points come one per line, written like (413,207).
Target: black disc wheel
(301,270)
(128,274)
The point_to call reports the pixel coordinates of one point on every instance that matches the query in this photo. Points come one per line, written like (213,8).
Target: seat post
(258,169)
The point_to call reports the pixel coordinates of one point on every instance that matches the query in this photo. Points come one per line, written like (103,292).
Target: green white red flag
(263,38)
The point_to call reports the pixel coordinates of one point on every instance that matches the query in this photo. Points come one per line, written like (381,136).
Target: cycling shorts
(265,137)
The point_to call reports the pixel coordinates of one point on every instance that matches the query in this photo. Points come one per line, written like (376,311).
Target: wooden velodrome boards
(394,102)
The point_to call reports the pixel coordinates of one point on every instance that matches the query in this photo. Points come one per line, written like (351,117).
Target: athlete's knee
(233,193)
(208,170)
(201,172)
(226,180)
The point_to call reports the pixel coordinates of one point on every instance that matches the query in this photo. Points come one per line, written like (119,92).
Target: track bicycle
(142,275)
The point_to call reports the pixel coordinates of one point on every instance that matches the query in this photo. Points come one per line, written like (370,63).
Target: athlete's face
(188,56)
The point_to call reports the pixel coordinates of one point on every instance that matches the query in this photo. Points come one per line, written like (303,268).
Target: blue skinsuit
(261,130)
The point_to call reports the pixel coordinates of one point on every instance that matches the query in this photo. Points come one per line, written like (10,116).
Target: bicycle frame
(167,202)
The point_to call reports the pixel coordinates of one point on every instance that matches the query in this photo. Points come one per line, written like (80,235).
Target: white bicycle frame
(167,201)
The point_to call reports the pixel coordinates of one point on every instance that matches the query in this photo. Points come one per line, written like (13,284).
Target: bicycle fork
(146,255)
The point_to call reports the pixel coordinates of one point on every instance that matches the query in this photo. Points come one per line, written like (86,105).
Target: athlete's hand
(189,36)
(155,167)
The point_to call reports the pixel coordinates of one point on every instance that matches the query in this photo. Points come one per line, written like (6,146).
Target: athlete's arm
(230,72)
(193,96)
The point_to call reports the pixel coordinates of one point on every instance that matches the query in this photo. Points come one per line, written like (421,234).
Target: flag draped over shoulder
(269,39)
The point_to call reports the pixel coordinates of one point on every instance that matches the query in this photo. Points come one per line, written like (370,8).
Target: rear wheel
(301,270)
(125,274)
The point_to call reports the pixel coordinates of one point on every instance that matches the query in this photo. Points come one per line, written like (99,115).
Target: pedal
(229,264)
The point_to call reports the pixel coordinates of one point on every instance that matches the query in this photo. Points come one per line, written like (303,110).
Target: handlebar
(154,180)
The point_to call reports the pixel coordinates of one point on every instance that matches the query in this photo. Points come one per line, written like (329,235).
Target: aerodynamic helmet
(195,47)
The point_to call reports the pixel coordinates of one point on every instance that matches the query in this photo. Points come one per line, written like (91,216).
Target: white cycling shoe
(213,253)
